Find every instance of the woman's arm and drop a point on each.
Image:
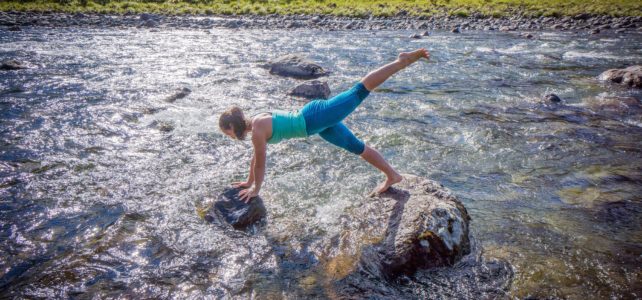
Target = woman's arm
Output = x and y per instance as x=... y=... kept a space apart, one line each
x=250 y=178
x=257 y=171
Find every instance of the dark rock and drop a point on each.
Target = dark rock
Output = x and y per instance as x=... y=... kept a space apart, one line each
x=296 y=67
x=149 y=23
x=526 y=35
x=425 y=33
x=164 y=126
x=12 y=64
x=631 y=76
x=147 y=17
x=552 y=98
x=595 y=31
x=455 y=30
x=313 y=89
x=15 y=28
x=179 y=94
x=558 y=26
x=415 y=36
x=230 y=209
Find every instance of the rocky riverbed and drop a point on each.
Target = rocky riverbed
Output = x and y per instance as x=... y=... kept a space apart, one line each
x=110 y=158
x=582 y=23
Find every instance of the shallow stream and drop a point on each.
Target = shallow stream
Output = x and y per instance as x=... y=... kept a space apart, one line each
x=103 y=184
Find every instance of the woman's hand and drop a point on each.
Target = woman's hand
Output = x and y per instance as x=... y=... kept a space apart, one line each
x=241 y=184
x=246 y=195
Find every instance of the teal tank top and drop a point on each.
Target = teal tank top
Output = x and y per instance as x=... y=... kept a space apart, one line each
x=287 y=125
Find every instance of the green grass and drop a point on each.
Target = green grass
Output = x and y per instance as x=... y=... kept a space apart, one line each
x=461 y=8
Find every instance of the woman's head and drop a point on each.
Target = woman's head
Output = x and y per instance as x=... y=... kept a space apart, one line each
x=233 y=122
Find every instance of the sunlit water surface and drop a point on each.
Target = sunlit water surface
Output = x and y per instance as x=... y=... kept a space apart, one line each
x=103 y=184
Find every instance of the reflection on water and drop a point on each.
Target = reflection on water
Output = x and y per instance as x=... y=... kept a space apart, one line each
x=103 y=184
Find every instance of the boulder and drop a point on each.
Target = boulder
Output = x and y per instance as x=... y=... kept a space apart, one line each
x=230 y=209
x=178 y=94
x=552 y=98
x=631 y=76
x=428 y=227
x=415 y=36
x=295 y=66
x=12 y=64
x=313 y=89
x=455 y=30
x=416 y=224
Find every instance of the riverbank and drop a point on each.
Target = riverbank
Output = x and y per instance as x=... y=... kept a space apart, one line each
x=584 y=23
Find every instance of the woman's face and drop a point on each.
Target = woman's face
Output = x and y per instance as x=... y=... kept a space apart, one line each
x=230 y=132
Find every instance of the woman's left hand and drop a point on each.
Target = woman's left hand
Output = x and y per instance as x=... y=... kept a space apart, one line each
x=247 y=194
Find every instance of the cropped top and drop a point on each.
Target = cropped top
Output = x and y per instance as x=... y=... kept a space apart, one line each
x=287 y=125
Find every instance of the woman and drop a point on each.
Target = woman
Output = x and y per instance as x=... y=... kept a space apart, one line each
x=320 y=116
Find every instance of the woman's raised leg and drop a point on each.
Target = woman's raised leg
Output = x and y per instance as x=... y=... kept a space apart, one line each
x=378 y=76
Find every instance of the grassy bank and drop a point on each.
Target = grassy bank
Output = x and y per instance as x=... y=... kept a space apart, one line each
x=417 y=8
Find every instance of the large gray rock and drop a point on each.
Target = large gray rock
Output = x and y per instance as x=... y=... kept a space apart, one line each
x=631 y=76
x=313 y=89
x=428 y=227
x=295 y=66
x=416 y=224
x=230 y=209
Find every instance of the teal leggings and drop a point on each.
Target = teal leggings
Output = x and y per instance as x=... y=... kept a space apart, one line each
x=324 y=117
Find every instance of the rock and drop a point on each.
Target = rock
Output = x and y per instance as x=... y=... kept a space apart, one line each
x=455 y=30
x=295 y=66
x=149 y=23
x=428 y=227
x=425 y=33
x=147 y=17
x=558 y=26
x=552 y=98
x=15 y=28
x=229 y=208
x=506 y=28
x=526 y=35
x=595 y=31
x=164 y=126
x=179 y=94
x=415 y=36
x=313 y=89
x=631 y=76
x=12 y=64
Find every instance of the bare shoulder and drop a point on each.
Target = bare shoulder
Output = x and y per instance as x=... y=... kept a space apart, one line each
x=262 y=126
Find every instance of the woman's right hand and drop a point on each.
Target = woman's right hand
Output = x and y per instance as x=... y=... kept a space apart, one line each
x=242 y=184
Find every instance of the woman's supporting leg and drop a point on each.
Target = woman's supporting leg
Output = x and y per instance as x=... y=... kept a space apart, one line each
x=339 y=135
x=373 y=157
x=378 y=76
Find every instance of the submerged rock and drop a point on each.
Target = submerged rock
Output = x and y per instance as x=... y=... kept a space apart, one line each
x=295 y=66
x=313 y=89
x=230 y=209
x=12 y=64
x=179 y=94
x=631 y=76
x=552 y=98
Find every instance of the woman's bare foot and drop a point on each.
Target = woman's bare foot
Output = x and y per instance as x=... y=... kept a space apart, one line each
x=407 y=58
x=382 y=187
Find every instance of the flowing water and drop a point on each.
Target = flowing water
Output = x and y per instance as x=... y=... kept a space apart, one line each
x=103 y=184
